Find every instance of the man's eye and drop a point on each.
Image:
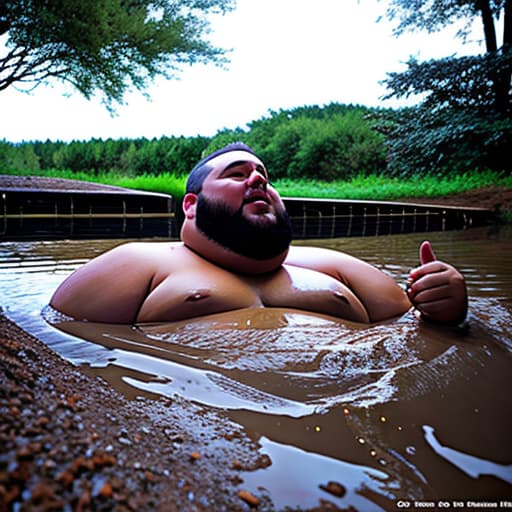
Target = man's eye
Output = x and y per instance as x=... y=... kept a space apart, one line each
x=236 y=175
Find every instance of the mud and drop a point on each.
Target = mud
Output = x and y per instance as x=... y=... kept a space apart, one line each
x=70 y=442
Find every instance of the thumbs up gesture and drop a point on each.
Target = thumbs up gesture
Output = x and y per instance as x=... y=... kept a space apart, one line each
x=437 y=290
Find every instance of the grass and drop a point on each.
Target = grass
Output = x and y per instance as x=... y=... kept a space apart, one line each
x=382 y=188
x=165 y=183
x=373 y=187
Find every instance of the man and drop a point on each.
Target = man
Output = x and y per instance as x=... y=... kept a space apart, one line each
x=235 y=253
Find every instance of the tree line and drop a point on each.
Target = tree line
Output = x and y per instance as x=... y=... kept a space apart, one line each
x=332 y=142
x=462 y=122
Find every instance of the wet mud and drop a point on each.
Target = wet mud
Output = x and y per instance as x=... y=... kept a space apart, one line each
x=70 y=442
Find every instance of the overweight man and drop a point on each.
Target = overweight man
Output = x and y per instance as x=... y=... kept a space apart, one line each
x=235 y=253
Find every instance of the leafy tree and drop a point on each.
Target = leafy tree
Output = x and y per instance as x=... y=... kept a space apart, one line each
x=332 y=142
x=104 y=46
x=222 y=138
x=17 y=157
x=465 y=117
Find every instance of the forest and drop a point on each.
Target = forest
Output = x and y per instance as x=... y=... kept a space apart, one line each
x=329 y=143
x=334 y=142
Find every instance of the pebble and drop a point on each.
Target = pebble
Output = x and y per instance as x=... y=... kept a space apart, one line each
x=195 y=456
x=334 y=488
x=249 y=498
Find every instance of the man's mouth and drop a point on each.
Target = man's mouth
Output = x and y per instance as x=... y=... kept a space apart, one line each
x=256 y=195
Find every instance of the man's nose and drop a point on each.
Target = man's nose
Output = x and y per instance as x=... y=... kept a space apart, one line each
x=256 y=179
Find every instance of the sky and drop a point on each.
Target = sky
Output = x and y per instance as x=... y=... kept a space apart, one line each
x=283 y=54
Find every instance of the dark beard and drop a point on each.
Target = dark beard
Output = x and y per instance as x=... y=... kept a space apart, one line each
x=230 y=229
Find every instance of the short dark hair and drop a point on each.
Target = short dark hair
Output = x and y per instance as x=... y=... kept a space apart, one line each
x=201 y=170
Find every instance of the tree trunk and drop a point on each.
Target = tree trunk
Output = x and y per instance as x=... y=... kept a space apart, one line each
x=4 y=23
x=501 y=77
x=491 y=44
x=506 y=71
x=507 y=26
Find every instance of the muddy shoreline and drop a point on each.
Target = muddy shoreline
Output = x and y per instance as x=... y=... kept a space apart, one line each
x=70 y=442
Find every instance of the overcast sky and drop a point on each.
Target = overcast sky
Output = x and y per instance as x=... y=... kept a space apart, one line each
x=285 y=54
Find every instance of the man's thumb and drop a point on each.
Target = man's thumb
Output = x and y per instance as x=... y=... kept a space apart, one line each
x=426 y=253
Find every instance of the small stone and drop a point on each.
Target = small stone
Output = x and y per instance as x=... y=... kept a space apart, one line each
x=149 y=476
x=103 y=459
x=195 y=456
x=249 y=498
x=106 y=491
x=334 y=488
x=42 y=421
x=66 y=478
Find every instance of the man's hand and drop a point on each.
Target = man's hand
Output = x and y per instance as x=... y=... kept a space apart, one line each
x=437 y=290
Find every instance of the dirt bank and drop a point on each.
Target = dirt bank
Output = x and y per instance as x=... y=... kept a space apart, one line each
x=493 y=198
x=70 y=442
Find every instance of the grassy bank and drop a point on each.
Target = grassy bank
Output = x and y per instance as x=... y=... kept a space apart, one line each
x=384 y=188
x=373 y=187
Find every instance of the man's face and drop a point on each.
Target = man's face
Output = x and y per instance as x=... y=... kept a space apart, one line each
x=239 y=210
x=240 y=180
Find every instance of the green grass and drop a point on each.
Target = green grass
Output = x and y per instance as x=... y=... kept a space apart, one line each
x=382 y=188
x=373 y=187
x=165 y=183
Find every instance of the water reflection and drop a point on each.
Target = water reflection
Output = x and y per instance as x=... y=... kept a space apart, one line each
x=396 y=410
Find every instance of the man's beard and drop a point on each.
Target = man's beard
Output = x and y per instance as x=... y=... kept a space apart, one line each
x=230 y=229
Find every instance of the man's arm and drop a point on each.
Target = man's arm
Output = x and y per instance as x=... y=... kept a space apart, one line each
x=378 y=292
x=110 y=288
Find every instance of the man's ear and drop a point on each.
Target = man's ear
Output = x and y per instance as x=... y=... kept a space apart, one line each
x=189 y=205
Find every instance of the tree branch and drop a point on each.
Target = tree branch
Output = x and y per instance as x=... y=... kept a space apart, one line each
x=20 y=65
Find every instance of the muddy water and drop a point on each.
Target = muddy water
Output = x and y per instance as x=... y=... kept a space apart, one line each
x=399 y=410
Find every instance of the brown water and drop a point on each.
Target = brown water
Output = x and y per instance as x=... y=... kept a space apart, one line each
x=400 y=410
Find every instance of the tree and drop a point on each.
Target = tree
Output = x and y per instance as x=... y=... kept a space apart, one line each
x=465 y=118
x=104 y=46
x=333 y=142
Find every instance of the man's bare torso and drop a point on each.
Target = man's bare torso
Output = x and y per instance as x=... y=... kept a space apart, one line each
x=167 y=281
x=186 y=285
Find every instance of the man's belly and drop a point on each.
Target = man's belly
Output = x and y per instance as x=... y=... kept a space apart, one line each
x=197 y=294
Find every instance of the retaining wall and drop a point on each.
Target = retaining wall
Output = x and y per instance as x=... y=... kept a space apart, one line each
x=60 y=214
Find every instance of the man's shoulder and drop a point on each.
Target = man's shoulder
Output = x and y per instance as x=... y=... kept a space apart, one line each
x=147 y=251
x=148 y=246
x=298 y=252
x=328 y=261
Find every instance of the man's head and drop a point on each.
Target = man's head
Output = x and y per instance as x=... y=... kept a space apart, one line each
x=202 y=168
x=230 y=207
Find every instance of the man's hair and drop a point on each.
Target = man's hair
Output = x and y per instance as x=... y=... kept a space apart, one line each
x=201 y=170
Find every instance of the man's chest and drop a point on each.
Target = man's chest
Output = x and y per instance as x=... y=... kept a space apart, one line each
x=309 y=290
x=203 y=291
